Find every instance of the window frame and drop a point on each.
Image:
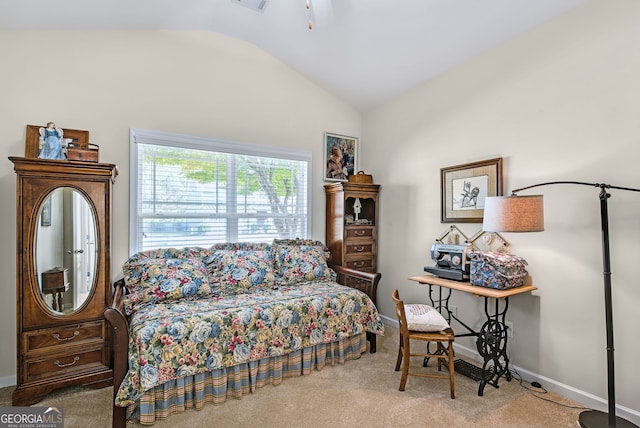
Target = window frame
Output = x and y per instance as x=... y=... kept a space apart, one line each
x=175 y=140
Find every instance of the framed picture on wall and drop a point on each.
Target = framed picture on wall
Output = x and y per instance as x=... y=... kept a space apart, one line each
x=464 y=188
x=340 y=157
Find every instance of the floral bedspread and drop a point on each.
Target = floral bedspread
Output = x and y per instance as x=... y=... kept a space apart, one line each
x=185 y=337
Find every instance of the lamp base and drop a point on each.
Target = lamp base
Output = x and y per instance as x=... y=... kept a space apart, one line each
x=594 y=419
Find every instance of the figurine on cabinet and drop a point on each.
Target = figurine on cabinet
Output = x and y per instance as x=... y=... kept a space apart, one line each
x=52 y=137
x=357 y=206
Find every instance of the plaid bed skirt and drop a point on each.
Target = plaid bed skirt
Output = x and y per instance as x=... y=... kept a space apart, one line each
x=214 y=387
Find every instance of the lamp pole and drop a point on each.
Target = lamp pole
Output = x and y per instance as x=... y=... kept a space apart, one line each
x=594 y=418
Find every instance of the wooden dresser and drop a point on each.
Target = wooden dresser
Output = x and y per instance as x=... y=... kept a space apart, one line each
x=62 y=276
x=351 y=228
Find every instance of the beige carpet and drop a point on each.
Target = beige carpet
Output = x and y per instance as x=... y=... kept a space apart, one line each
x=363 y=392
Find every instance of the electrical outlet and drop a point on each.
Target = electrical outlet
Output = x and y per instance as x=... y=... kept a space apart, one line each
x=509 y=325
x=453 y=310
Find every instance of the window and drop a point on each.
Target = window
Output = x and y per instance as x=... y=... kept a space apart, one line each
x=192 y=191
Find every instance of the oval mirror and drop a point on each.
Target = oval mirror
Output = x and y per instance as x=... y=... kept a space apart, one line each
x=66 y=250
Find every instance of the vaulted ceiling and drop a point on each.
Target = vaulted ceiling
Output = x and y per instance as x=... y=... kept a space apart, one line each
x=364 y=51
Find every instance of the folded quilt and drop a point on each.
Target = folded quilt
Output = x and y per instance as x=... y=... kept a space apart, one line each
x=170 y=340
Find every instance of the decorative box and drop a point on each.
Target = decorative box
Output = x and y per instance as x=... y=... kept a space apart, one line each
x=88 y=152
x=361 y=178
x=497 y=270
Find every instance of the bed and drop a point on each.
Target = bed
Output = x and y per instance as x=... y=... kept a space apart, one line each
x=195 y=326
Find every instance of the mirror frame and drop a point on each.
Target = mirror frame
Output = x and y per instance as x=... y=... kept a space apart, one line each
x=46 y=198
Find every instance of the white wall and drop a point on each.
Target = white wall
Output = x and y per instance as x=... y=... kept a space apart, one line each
x=560 y=103
x=194 y=83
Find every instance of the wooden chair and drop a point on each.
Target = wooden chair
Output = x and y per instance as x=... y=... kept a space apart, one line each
x=444 y=354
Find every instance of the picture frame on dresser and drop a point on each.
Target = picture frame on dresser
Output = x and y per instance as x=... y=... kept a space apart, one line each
x=340 y=157
x=464 y=187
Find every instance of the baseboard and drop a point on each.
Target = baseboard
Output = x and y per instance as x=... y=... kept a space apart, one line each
x=584 y=398
x=7 y=381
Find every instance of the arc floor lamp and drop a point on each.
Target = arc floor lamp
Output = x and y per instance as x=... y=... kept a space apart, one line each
x=526 y=214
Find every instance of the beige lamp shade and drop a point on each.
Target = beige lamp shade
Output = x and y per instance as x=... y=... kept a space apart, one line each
x=513 y=214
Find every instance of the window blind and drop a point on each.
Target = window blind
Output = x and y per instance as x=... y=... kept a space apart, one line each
x=190 y=191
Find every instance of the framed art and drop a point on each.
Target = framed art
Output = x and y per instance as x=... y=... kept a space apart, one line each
x=32 y=143
x=464 y=188
x=340 y=157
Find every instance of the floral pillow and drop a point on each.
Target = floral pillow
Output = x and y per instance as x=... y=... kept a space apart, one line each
x=246 y=246
x=235 y=271
x=305 y=260
x=170 y=253
x=300 y=241
x=158 y=279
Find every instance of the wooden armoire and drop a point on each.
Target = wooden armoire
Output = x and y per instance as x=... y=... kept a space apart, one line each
x=62 y=275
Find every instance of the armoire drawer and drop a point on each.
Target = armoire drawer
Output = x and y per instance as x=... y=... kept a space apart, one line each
x=64 y=336
x=59 y=365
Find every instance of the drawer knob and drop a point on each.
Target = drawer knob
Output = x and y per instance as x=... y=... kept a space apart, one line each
x=358 y=264
x=62 y=339
x=75 y=360
x=359 y=249
x=360 y=232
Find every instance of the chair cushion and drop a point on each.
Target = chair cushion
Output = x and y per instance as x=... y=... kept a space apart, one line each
x=422 y=317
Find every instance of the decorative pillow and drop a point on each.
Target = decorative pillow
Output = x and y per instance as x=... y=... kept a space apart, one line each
x=246 y=246
x=170 y=253
x=239 y=271
x=155 y=280
x=424 y=318
x=298 y=241
x=300 y=262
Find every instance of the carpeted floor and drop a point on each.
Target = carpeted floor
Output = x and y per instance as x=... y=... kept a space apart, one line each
x=363 y=392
